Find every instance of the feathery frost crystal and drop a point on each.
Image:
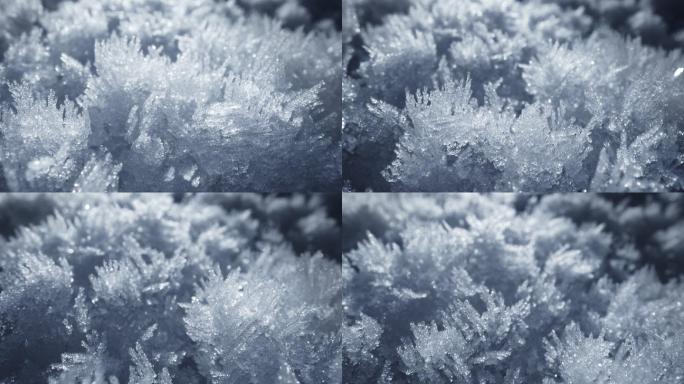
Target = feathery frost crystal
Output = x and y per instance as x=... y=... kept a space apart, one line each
x=108 y=289
x=167 y=95
x=512 y=95
x=513 y=289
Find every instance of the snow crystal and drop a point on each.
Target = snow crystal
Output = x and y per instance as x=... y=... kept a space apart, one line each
x=152 y=85
x=513 y=288
x=116 y=288
x=531 y=95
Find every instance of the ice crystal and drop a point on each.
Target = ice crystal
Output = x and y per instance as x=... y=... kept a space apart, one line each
x=235 y=319
x=511 y=95
x=512 y=289
x=145 y=289
x=42 y=161
x=170 y=96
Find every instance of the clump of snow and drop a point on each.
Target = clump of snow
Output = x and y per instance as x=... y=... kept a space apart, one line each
x=161 y=95
x=108 y=288
x=513 y=289
x=510 y=95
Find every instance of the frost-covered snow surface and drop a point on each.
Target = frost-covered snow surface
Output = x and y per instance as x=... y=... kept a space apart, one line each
x=513 y=95
x=496 y=289
x=169 y=95
x=155 y=290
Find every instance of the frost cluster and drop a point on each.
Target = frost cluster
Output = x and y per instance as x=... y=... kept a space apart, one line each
x=108 y=289
x=513 y=289
x=512 y=95
x=168 y=95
